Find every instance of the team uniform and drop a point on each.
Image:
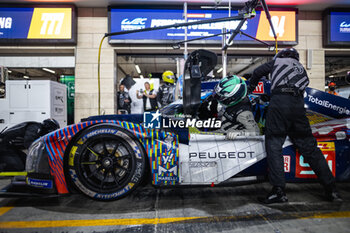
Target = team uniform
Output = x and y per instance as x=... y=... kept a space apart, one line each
x=286 y=116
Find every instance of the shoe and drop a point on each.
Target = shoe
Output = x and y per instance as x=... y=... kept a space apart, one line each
x=277 y=195
x=332 y=194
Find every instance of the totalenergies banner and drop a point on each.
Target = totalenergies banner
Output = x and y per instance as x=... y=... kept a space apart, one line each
x=43 y=25
x=284 y=22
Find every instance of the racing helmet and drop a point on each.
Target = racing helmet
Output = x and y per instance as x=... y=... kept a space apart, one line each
x=168 y=77
x=50 y=124
x=230 y=90
x=288 y=52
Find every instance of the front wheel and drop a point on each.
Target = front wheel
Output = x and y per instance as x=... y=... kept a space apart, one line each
x=105 y=162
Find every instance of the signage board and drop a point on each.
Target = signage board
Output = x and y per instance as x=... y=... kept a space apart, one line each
x=125 y=19
x=336 y=28
x=37 y=25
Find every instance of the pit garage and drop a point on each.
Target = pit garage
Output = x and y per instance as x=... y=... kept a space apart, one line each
x=168 y=169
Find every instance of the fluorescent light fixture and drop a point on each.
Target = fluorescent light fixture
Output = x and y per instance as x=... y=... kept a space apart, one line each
x=219 y=70
x=138 y=69
x=215 y=7
x=25 y=76
x=9 y=71
x=50 y=71
x=331 y=76
x=141 y=76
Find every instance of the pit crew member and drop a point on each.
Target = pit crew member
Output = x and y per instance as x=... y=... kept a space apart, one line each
x=286 y=116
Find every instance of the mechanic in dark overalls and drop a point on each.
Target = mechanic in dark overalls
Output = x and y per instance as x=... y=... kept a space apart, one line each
x=165 y=93
x=286 y=116
x=18 y=138
x=123 y=101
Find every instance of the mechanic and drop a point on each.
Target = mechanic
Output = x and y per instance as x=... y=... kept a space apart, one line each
x=165 y=93
x=123 y=100
x=149 y=97
x=237 y=119
x=18 y=138
x=286 y=116
x=331 y=88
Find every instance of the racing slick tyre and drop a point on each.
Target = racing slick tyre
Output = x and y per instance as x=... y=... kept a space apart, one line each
x=106 y=162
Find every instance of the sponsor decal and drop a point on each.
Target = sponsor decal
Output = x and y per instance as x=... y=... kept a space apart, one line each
x=283 y=23
x=5 y=22
x=201 y=164
x=286 y=161
x=221 y=155
x=327 y=104
x=344 y=27
x=303 y=169
x=162 y=171
x=40 y=183
x=259 y=89
x=51 y=23
x=134 y=24
x=154 y=120
x=120 y=20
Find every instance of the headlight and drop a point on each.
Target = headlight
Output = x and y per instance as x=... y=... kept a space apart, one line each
x=35 y=155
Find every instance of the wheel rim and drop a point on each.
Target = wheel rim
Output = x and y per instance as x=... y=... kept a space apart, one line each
x=106 y=163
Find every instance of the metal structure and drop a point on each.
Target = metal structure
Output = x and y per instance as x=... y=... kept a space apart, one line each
x=246 y=13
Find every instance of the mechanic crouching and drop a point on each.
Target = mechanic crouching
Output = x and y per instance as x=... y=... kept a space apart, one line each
x=286 y=116
x=18 y=138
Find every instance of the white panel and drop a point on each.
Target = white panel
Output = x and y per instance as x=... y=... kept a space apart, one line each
x=38 y=62
x=212 y=158
x=17 y=94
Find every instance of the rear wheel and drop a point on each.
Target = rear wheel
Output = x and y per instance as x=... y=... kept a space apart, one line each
x=106 y=162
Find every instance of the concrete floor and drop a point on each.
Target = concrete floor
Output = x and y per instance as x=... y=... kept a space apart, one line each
x=219 y=209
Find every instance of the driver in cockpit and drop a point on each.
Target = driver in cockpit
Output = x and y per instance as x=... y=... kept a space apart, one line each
x=237 y=118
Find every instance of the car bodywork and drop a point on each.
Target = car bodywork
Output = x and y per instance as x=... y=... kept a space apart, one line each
x=188 y=156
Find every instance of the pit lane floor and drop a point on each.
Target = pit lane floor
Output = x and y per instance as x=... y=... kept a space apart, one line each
x=219 y=209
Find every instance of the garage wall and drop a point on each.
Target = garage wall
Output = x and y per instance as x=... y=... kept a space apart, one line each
x=92 y=24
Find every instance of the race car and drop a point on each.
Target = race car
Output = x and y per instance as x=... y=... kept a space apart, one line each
x=107 y=157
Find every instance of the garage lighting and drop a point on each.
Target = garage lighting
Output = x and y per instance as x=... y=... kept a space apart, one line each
x=50 y=71
x=138 y=69
x=331 y=76
x=141 y=76
x=26 y=77
x=219 y=70
x=9 y=71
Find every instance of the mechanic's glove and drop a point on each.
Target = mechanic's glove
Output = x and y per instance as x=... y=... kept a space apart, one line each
x=265 y=98
x=232 y=135
x=250 y=90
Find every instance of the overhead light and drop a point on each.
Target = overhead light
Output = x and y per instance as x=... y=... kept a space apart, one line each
x=9 y=71
x=48 y=70
x=141 y=76
x=138 y=69
x=215 y=7
x=331 y=76
x=25 y=76
x=219 y=70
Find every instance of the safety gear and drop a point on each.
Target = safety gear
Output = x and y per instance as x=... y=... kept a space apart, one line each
x=277 y=195
x=168 y=77
x=332 y=86
x=288 y=52
x=50 y=124
x=230 y=90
